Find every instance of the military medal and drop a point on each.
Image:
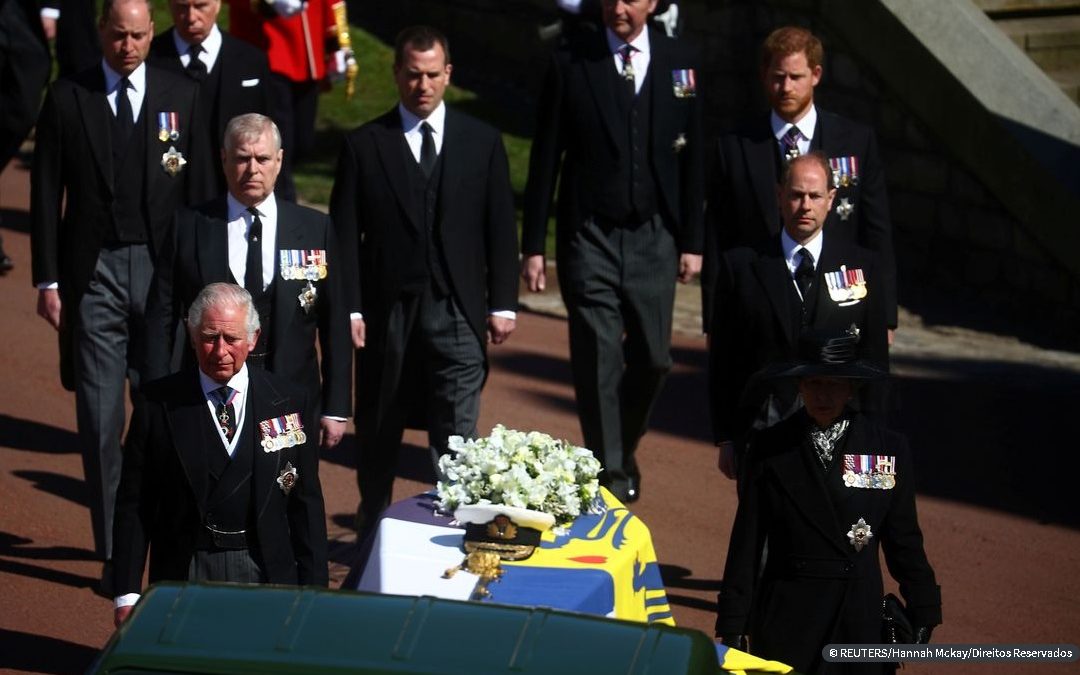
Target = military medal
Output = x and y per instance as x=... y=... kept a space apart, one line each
x=281 y=432
x=844 y=208
x=301 y=265
x=859 y=535
x=288 y=477
x=683 y=83
x=172 y=161
x=845 y=170
x=679 y=143
x=874 y=472
x=168 y=127
x=307 y=297
x=223 y=413
x=846 y=286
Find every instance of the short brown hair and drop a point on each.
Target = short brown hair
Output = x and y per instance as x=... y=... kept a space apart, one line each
x=792 y=40
x=420 y=38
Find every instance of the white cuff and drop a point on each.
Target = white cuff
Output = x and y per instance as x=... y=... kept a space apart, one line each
x=505 y=314
x=126 y=600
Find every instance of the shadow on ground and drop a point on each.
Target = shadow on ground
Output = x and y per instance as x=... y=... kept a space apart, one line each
x=20 y=434
x=41 y=654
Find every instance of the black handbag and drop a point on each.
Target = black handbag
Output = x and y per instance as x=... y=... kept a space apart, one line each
x=896 y=628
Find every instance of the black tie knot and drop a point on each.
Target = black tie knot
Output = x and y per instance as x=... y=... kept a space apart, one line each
x=255 y=231
x=195 y=67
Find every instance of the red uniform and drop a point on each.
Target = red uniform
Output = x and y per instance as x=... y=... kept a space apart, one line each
x=294 y=52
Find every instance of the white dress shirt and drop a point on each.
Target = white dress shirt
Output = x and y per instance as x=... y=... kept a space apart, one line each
x=791 y=252
x=639 y=57
x=239 y=225
x=211 y=47
x=806 y=126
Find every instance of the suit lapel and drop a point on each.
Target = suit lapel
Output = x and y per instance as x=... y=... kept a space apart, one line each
x=801 y=479
x=97 y=130
x=451 y=163
x=212 y=243
x=760 y=153
x=187 y=419
x=772 y=273
x=164 y=53
x=388 y=146
x=265 y=403
x=291 y=234
x=599 y=71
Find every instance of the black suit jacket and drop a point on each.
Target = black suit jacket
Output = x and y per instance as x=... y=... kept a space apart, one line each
x=196 y=253
x=576 y=129
x=73 y=161
x=743 y=209
x=161 y=501
x=372 y=211
x=816 y=588
x=242 y=82
x=757 y=322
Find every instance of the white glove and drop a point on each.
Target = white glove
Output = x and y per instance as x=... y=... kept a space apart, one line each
x=287 y=7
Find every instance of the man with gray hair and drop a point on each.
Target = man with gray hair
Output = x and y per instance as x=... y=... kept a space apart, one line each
x=285 y=255
x=251 y=514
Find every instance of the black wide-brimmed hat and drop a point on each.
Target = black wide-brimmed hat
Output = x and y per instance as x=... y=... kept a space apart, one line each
x=822 y=355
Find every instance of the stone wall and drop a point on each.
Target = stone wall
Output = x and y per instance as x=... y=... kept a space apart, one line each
x=978 y=243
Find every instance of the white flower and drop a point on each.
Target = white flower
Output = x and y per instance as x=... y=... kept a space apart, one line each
x=525 y=469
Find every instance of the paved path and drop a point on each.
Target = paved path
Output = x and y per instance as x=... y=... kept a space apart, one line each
x=998 y=504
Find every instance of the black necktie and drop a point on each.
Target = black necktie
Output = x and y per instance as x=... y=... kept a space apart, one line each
x=196 y=69
x=804 y=273
x=225 y=413
x=253 y=275
x=124 y=117
x=427 y=150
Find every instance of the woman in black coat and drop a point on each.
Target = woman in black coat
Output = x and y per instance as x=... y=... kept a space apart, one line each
x=822 y=490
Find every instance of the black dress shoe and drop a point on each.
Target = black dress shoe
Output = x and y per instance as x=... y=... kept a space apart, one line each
x=633 y=490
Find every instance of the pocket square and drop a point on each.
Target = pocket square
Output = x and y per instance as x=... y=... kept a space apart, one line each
x=249 y=83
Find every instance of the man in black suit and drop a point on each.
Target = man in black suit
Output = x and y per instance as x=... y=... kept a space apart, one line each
x=620 y=112
x=24 y=71
x=232 y=77
x=111 y=145
x=424 y=210
x=747 y=165
x=220 y=480
x=285 y=255
x=803 y=279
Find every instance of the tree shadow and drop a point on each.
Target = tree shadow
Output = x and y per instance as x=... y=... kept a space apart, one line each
x=675 y=576
x=47 y=574
x=20 y=434
x=13 y=545
x=414 y=461
x=43 y=654
x=15 y=220
x=989 y=434
x=71 y=489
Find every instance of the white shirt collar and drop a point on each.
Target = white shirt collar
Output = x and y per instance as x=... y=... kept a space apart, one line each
x=410 y=123
x=211 y=45
x=791 y=247
x=137 y=78
x=640 y=43
x=267 y=208
x=238 y=381
x=806 y=125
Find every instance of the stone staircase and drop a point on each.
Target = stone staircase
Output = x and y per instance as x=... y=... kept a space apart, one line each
x=1048 y=31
